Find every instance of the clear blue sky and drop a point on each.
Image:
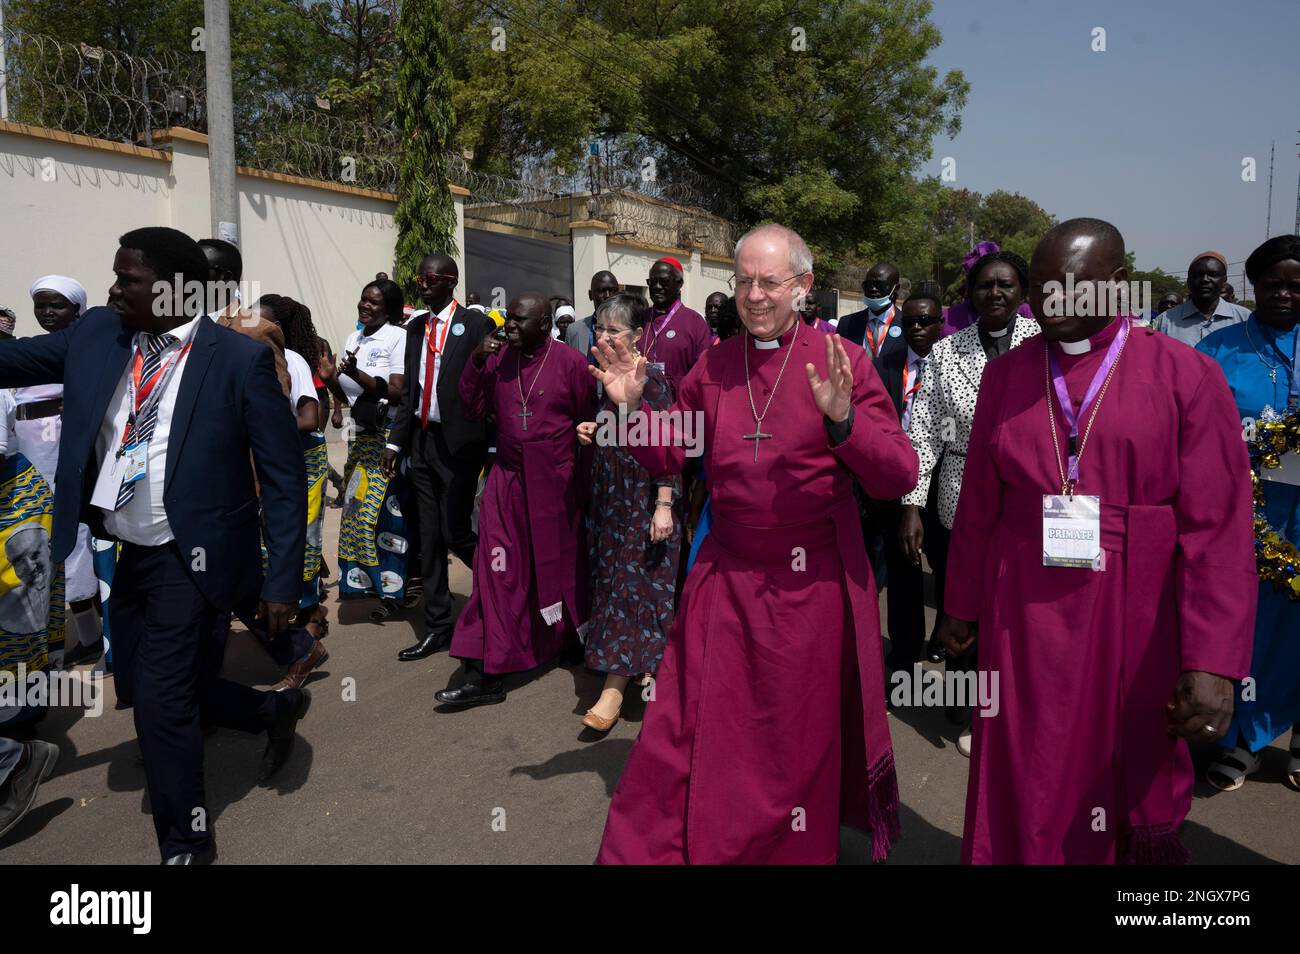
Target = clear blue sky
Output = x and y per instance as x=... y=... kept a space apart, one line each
x=1150 y=134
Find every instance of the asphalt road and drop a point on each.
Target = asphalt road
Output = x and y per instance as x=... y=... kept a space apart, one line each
x=384 y=778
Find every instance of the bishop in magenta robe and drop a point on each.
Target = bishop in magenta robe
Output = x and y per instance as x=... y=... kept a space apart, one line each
x=767 y=724
x=675 y=336
x=1080 y=762
x=530 y=579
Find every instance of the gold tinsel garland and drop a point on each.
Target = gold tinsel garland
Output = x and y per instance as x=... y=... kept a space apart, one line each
x=1276 y=557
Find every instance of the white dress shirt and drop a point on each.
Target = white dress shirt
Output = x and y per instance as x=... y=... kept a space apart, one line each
x=440 y=327
x=913 y=371
x=143 y=518
x=8 y=418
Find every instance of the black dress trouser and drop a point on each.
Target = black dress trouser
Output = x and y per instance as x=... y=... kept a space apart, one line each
x=905 y=593
x=162 y=644
x=444 y=486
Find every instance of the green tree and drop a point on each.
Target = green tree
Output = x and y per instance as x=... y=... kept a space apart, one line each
x=425 y=215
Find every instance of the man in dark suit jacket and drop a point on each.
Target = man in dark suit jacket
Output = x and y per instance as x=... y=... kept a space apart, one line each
x=901 y=371
x=161 y=410
x=445 y=451
x=876 y=326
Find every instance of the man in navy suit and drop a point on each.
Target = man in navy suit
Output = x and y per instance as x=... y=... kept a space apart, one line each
x=876 y=327
x=902 y=371
x=161 y=410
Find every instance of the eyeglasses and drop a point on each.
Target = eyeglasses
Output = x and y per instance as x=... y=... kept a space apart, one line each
x=611 y=331
x=430 y=279
x=922 y=322
x=768 y=286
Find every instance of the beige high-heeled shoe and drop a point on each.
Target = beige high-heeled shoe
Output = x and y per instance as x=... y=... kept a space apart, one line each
x=592 y=721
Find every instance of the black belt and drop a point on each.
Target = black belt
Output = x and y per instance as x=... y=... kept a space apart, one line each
x=38 y=409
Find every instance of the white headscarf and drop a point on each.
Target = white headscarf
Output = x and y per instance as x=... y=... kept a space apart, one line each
x=69 y=288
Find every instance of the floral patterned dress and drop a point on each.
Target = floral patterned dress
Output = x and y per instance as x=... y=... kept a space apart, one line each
x=632 y=579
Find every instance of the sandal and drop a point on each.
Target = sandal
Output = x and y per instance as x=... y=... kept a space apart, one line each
x=1293 y=765
x=1229 y=773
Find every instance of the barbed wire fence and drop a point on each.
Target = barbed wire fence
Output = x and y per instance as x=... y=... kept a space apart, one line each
x=105 y=94
x=77 y=88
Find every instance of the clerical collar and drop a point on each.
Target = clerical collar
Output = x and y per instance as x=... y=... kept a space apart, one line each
x=776 y=342
x=1101 y=339
x=999 y=334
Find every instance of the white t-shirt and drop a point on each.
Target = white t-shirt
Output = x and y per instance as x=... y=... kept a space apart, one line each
x=300 y=383
x=8 y=436
x=379 y=355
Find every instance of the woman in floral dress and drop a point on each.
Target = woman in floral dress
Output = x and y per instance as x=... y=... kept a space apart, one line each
x=634 y=533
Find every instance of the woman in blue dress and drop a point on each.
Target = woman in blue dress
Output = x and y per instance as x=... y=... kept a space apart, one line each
x=1258 y=357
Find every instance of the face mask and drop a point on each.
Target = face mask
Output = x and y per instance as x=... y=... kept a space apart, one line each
x=880 y=304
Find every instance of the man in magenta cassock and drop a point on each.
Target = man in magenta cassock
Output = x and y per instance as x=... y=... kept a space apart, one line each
x=529 y=571
x=767 y=724
x=1104 y=673
x=675 y=336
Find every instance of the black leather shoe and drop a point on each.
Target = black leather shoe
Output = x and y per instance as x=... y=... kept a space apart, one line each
x=432 y=643
x=934 y=651
x=472 y=694
x=279 y=738
x=204 y=856
x=82 y=653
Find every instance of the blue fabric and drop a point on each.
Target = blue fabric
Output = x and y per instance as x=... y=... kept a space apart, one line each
x=701 y=531
x=1245 y=353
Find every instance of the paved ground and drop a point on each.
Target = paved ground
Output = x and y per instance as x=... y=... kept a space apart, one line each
x=386 y=779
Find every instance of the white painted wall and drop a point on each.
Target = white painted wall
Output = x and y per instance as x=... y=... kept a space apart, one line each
x=632 y=265
x=70 y=224
x=317 y=245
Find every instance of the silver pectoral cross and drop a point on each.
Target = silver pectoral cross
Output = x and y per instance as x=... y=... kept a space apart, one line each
x=757 y=436
x=523 y=416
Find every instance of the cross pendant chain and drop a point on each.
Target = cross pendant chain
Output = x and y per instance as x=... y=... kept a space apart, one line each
x=523 y=416
x=757 y=436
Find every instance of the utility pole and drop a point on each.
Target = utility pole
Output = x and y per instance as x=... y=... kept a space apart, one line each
x=1297 y=199
x=4 y=74
x=224 y=200
x=1268 y=221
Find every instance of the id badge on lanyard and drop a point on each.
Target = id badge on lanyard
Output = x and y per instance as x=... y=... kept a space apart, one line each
x=1072 y=531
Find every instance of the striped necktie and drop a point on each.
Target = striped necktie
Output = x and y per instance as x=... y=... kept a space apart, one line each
x=154 y=345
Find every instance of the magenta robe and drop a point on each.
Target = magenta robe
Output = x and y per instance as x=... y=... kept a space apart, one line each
x=678 y=344
x=767 y=724
x=529 y=555
x=1088 y=660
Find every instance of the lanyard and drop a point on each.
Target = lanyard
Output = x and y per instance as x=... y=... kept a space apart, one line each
x=1091 y=398
x=884 y=330
x=436 y=348
x=910 y=388
x=654 y=335
x=143 y=397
